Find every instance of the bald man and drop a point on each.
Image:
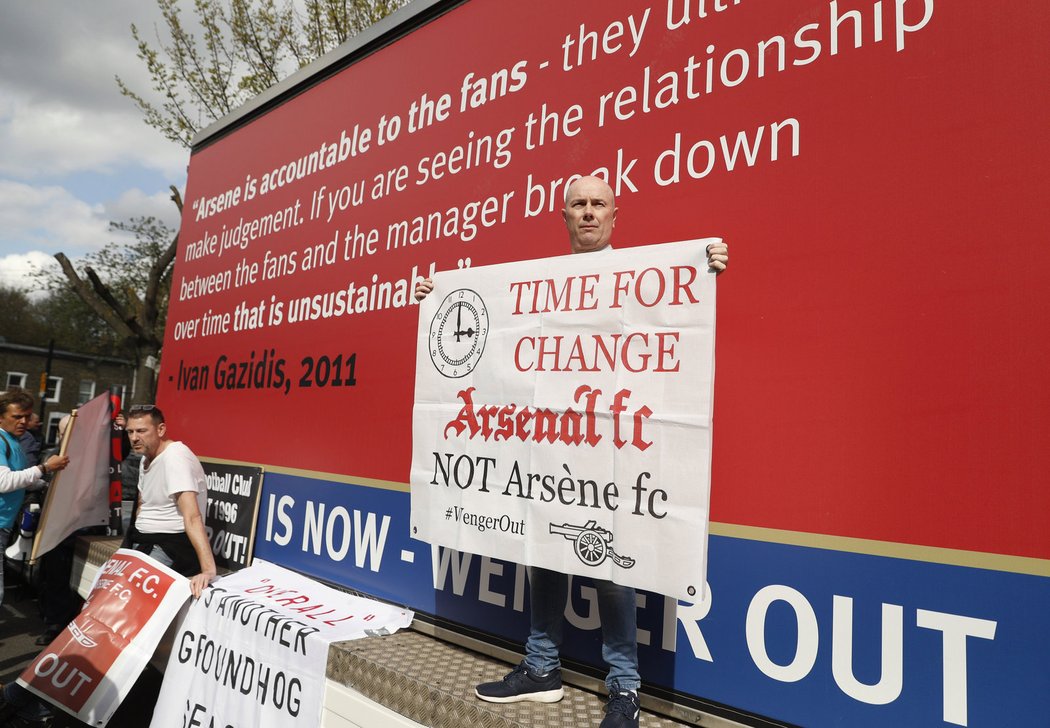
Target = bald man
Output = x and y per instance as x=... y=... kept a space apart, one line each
x=590 y=216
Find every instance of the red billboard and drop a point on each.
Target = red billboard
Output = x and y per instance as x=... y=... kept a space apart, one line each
x=874 y=167
x=877 y=169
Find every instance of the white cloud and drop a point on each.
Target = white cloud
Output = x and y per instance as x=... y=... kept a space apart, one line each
x=136 y=203
x=63 y=110
x=60 y=109
x=74 y=153
x=84 y=44
x=45 y=139
x=16 y=269
x=49 y=219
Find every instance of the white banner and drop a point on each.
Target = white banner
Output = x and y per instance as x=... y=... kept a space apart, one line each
x=563 y=414
x=91 y=666
x=79 y=495
x=252 y=650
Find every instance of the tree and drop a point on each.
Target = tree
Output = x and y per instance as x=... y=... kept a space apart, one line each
x=57 y=315
x=244 y=47
x=22 y=322
x=126 y=286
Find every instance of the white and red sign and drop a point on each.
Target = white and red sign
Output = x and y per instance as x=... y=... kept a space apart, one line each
x=563 y=414
x=91 y=666
x=252 y=650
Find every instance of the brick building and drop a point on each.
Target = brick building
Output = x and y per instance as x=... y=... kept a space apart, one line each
x=74 y=379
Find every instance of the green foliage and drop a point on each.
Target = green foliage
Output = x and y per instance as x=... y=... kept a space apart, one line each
x=124 y=268
x=75 y=327
x=59 y=315
x=231 y=51
x=21 y=322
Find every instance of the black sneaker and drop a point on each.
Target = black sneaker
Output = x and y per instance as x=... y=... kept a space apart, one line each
x=622 y=710
x=523 y=684
x=48 y=636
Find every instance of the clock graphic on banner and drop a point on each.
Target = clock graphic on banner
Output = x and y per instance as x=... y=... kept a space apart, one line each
x=458 y=332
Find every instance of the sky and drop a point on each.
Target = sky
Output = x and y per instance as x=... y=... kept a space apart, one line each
x=74 y=153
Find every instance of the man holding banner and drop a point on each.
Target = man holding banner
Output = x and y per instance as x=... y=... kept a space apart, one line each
x=173 y=496
x=590 y=216
x=15 y=410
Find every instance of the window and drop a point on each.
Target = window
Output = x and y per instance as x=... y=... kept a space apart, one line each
x=51 y=438
x=16 y=380
x=87 y=391
x=54 y=389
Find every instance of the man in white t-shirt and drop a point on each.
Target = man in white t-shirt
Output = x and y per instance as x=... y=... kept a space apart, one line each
x=173 y=496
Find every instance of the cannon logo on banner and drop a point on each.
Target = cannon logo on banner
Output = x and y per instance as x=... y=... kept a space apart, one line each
x=592 y=544
x=563 y=414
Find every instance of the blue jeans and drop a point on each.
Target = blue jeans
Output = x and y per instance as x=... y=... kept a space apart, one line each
x=617 y=609
x=159 y=554
x=27 y=706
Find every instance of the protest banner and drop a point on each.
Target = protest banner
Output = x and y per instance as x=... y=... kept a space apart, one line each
x=563 y=414
x=233 y=506
x=88 y=670
x=252 y=650
x=117 y=442
x=78 y=496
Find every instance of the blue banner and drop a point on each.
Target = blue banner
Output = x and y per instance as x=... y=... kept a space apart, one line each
x=810 y=636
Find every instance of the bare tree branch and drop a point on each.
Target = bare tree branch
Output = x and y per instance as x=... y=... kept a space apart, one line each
x=102 y=291
x=85 y=293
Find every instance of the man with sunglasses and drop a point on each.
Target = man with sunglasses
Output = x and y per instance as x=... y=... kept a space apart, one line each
x=173 y=496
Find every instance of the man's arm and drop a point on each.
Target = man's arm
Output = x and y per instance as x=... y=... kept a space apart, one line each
x=12 y=480
x=186 y=502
